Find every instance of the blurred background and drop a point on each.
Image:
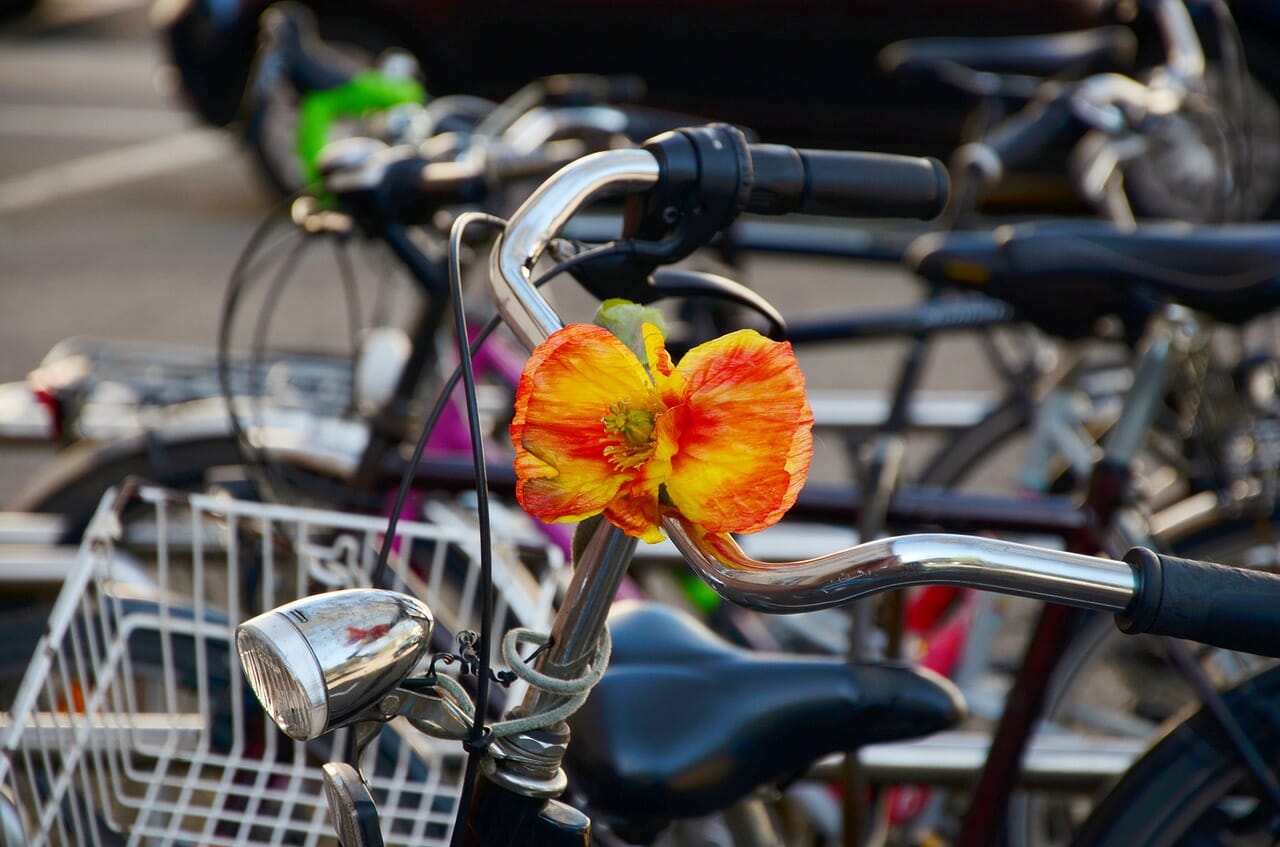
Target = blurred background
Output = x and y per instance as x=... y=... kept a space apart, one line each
x=142 y=144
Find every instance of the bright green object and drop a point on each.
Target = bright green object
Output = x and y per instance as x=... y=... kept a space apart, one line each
x=702 y=596
x=367 y=92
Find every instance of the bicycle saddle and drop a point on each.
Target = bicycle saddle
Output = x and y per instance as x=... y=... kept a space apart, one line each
x=1078 y=53
x=1063 y=276
x=684 y=723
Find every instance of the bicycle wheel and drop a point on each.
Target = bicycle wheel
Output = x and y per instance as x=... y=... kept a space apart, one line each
x=1191 y=788
x=1121 y=687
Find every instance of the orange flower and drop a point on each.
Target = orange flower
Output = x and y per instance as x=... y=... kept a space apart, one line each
x=724 y=438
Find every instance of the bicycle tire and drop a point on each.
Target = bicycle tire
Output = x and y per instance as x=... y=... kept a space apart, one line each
x=961 y=454
x=1175 y=793
x=1034 y=819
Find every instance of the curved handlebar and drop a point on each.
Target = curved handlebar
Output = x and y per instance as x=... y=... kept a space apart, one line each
x=869 y=568
x=875 y=566
x=532 y=226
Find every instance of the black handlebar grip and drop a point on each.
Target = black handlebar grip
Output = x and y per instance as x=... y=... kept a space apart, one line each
x=1226 y=607
x=1020 y=139
x=411 y=193
x=845 y=184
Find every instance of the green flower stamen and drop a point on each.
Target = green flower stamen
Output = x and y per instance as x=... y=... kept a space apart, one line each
x=634 y=430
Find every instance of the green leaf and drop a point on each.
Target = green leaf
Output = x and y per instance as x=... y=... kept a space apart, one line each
x=624 y=319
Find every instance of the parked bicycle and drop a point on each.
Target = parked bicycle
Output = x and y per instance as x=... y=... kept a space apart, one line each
x=509 y=798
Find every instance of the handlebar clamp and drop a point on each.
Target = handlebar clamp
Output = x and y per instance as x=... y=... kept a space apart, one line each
x=705 y=181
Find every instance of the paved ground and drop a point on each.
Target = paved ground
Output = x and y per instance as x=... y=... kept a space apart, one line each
x=119 y=217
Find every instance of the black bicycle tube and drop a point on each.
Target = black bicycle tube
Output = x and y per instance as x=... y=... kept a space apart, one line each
x=964 y=314
x=501 y=818
x=1215 y=705
x=384 y=430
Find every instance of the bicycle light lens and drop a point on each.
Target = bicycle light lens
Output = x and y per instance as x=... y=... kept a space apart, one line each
x=322 y=662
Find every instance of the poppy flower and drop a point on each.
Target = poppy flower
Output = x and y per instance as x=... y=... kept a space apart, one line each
x=723 y=439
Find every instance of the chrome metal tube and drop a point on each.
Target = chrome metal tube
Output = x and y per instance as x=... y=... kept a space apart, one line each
x=791 y=586
x=875 y=566
x=538 y=220
x=526 y=763
x=539 y=126
x=1168 y=339
x=1182 y=43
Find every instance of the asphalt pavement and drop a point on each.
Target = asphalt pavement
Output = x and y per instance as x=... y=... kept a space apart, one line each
x=121 y=217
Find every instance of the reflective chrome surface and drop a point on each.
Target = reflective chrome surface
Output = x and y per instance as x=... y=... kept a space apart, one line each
x=527 y=763
x=351 y=807
x=537 y=127
x=1168 y=339
x=538 y=220
x=1182 y=43
x=876 y=566
x=343 y=651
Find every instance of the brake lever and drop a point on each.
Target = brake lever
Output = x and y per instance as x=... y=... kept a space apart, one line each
x=618 y=276
x=680 y=282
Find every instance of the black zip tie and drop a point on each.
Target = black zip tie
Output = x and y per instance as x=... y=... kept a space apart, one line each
x=479 y=745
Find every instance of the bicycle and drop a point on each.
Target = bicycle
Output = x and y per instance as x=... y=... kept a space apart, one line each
x=1097 y=583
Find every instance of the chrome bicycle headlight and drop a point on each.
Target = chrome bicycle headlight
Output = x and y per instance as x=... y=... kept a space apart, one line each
x=324 y=661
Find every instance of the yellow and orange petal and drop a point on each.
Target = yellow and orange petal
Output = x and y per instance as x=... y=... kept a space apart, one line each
x=636 y=510
x=668 y=382
x=566 y=389
x=744 y=452
x=726 y=434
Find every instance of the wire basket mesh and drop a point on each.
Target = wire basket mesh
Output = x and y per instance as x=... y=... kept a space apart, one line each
x=134 y=724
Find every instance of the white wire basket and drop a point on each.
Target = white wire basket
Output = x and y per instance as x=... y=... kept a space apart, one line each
x=134 y=723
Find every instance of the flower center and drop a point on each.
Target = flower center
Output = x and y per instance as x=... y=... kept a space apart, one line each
x=633 y=429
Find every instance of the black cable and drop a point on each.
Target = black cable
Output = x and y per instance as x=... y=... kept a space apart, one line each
x=406 y=481
x=477 y=735
x=261 y=325
x=465 y=371
x=236 y=288
x=443 y=396
x=237 y=283
x=273 y=477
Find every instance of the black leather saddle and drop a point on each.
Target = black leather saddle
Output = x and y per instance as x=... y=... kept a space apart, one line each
x=1063 y=276
x=1081 y=53
x=684 y=724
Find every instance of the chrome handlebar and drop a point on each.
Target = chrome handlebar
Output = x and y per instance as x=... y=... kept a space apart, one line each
x=531 y=228
x=818 y=583
x=1112 y=102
